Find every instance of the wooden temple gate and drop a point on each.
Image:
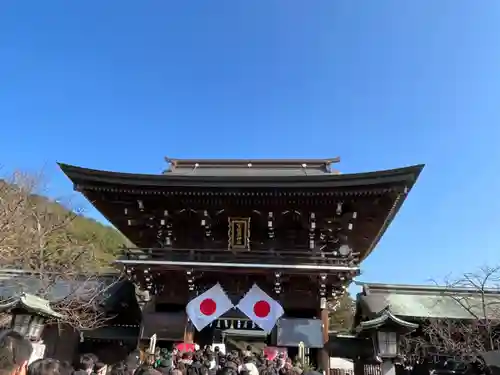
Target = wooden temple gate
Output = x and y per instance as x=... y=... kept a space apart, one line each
x=298 y=229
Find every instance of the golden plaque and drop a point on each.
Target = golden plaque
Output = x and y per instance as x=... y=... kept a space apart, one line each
x=239 y=233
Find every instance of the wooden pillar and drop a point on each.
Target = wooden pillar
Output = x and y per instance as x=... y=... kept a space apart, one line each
x=147 y=305
x=323 y=354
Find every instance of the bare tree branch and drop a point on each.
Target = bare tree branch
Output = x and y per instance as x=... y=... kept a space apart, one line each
x=39 y=237
x=476 y=296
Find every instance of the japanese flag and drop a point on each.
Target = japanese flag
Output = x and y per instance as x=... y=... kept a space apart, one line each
x=208 y=307
x=261 y=308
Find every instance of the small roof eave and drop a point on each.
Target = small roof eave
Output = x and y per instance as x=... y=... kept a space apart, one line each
x=385 y=317
x=40 y=305
x=427 y=302
x=369 y=288
x=31 y=302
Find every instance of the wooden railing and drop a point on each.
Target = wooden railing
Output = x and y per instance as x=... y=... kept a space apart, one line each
x=239 y=256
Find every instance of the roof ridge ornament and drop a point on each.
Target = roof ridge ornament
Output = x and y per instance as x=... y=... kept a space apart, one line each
x=304 y=168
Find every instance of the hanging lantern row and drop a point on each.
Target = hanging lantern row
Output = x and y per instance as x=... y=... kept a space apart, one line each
x=190 y=280
x=338 y=291
x=328 y=285
x=148 y=279
x=129 y=271
x=154 y=286
x=277 y=283
x=312 y=231
x=322 y=285
x=270 y=226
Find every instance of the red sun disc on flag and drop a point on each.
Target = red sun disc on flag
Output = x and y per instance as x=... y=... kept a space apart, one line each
x=208 y=306
x=261 y=309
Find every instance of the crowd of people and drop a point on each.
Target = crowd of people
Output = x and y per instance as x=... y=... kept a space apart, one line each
x=15 y=353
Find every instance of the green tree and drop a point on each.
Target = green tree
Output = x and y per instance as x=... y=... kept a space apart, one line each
x=342 y=314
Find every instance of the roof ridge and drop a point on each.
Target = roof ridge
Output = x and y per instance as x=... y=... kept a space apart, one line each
x=260 y=164
x=376 y=287
x=260 y=161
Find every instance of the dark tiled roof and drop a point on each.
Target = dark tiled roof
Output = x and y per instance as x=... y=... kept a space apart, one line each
x=417 y=301
x=15 y=282
x=296 y=177
x=382 y=192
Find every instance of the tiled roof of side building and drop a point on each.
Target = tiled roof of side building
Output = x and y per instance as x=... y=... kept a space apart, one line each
x=426 y=301
x=14 y=282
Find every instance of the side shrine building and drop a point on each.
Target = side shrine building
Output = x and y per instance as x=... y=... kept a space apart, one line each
x=292 y=231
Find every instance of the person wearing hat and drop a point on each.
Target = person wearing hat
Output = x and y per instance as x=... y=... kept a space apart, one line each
x=164 y=366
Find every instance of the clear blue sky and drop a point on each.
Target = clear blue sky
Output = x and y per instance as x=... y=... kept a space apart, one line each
x=118 y=85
